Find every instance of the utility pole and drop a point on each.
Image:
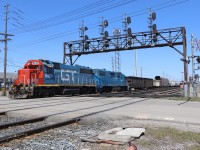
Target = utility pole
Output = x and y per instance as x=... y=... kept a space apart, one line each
x=5 y=46
x=193 y=69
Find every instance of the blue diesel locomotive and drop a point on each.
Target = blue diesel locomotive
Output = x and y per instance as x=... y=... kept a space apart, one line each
x=40 y=78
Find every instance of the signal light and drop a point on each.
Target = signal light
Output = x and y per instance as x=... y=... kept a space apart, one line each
x=86 y=46
x=106 y=44
x=128 y=20
x=153 y=15
x=198 y=59
x=105 y=23
x=155 y=38
x=86 y=28
x=129 y=42
x=154 y=27
x=106 y=34
x=129 y=32
x=86 y=38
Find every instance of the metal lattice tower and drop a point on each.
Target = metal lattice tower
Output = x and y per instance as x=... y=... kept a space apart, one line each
x=117 y=60
x=113 y=69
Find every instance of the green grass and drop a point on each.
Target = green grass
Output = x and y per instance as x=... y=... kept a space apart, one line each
x=194 y=147
x=184 y=99
x=156 y=136
x=176 y=135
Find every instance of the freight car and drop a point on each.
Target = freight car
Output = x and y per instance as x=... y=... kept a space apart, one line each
x=160 y=82
x=139 y=83
x=40 y=78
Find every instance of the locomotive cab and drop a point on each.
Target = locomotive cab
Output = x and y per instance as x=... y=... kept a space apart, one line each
x=31 y=75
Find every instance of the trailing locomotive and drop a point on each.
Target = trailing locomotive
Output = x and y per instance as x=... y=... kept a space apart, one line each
x=40 y=78
x=107 y=81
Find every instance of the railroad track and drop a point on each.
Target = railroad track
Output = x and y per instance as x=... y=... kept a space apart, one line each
x=148 y=93
x=32 y=126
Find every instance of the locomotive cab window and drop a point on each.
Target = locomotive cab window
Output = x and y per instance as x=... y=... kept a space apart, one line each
x=41 y=68
x=33 y=67
x=112 y=75
x=48 y=69
x=119 y=75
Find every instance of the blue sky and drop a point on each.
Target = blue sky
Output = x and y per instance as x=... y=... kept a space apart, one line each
x=48 y=42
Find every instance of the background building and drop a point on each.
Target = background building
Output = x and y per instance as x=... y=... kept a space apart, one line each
x=9 y=79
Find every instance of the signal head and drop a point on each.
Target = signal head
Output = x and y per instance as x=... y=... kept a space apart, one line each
x=198 y=59
x=153 y=15
x=128 y=20
x=106 y=34
x=105 y=23
x=129 y=32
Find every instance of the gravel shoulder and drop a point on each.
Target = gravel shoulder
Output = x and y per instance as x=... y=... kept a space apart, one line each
x=69 y=137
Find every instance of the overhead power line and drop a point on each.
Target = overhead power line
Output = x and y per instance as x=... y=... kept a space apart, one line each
x=115 y=19
x=70 y=17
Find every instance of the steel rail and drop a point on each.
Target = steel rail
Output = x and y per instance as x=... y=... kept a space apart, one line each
x=4 y=126
x=36 y=130
x=2 y=113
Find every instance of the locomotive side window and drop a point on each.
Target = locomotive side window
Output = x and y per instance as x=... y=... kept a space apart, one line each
x=87 y=71
x=102 y=73
x=56 y=65
x=112 y=74
x=118 y=75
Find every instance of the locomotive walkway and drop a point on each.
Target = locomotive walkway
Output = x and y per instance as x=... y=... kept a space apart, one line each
x=62 y=108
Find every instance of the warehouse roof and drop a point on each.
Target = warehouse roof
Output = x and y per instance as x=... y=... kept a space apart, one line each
x=8 y=75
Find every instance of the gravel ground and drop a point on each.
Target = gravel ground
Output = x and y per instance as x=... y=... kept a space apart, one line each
x=5 y=119
x=69 y=137
x=21 y=128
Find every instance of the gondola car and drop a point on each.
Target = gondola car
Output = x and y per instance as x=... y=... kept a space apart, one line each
x=41 y=78
x=139 y=83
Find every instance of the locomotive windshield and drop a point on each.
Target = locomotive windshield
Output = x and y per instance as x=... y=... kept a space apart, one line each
x=32 y=67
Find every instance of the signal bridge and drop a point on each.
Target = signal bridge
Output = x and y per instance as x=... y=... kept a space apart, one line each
x=170 y=37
